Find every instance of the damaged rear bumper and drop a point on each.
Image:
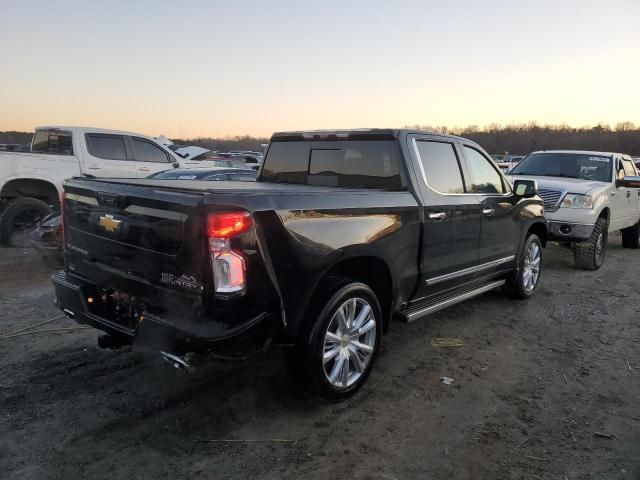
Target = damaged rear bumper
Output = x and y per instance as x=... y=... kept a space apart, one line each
x=178 y=335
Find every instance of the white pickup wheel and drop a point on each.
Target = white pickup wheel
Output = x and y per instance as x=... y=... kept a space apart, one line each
x=590 y=255
x=19 y=218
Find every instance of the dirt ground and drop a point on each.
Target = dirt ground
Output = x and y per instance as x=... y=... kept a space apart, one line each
x=532 y=384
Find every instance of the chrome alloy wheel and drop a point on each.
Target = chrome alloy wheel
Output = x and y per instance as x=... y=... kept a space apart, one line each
x=349 y=343
x=531 y=270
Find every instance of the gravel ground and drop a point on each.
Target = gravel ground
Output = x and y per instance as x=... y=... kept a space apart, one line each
x=533 y=383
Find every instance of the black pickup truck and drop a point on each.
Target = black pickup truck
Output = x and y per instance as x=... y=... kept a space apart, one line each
x=342 y=231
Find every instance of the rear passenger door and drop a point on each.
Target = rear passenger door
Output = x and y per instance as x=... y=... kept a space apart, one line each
x=501 y=227
x=150 y=158
x=108 y=155
x=451 y=217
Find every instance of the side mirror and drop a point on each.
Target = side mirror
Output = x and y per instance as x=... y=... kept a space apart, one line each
x=629 y=182
x=525 y=188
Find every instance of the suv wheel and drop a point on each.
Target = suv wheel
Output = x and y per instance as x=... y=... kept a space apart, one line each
x=631 y=236
x=335 y=356
x=590 y=254
x=524 y=282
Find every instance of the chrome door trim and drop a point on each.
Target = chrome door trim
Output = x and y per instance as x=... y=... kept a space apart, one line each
x=470 y=270
x=414 y=143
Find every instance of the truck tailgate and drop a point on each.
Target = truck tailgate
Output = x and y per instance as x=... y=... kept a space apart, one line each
x=143 y=239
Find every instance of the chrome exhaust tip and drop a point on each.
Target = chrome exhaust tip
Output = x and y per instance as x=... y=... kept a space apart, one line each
x=175 y=361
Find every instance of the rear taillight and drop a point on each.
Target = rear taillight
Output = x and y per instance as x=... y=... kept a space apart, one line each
x=64 y=238
x=227 y=264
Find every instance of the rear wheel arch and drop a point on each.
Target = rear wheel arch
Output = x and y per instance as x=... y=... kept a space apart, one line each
x=30 y=187
x=368 y=269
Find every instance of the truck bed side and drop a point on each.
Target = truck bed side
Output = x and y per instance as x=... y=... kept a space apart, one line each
x=158 y=252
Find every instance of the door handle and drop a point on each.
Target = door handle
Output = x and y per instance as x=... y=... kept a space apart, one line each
x=488 y=211
x=93 y=167
x=437 y=216
x=628 y=193
x=144 y=169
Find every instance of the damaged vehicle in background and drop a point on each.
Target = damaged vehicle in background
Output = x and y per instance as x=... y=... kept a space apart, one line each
x=31 y=182
x=341 y=232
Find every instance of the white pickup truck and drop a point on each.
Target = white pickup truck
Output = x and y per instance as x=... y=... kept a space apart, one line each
x=31 y=182
x=586 y=195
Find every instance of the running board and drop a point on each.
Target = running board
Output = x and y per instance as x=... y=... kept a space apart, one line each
x=412 y=315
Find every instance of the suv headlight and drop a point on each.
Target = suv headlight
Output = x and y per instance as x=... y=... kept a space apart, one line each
x=575 y=200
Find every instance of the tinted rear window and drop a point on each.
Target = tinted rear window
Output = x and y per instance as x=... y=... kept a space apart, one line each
x=355 y=164
x=53 y=142
x=109 y=147
x=440 y=165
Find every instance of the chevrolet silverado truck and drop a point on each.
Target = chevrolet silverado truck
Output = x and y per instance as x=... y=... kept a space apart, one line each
x=31 y=182
x=341 y=232
x=586 y=196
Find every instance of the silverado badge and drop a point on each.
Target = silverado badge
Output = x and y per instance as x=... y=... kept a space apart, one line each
x=109 y=223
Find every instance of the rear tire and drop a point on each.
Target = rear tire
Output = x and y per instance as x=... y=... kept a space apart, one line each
x=631 y=236
x=19 y=219
x=590 y=255
x=524 y=282
x=338 y=346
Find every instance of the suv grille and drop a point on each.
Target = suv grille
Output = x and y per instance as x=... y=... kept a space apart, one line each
x=551 y=198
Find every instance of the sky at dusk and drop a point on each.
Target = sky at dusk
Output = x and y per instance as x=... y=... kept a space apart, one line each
x=210 y=68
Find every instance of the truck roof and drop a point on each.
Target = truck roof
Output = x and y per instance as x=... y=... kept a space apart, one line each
x=93 y=130
x=581 y=152
x=354 y=134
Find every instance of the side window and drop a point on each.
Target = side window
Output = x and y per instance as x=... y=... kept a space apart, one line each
x=486 y=178
x=52 y=142
x=108 y=147
x=145 y=151
x=628 y=167
x=620 y=172
x=440 y=166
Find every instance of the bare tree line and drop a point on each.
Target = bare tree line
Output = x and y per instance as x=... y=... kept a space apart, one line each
x=525 y=138
x=516 y=139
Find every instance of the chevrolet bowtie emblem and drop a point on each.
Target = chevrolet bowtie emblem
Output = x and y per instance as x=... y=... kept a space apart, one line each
x=109 y=223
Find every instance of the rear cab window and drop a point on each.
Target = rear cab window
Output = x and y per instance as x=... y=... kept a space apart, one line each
x=54 y=142
x=106 y=146
x=440 y=166
x=350 y=163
